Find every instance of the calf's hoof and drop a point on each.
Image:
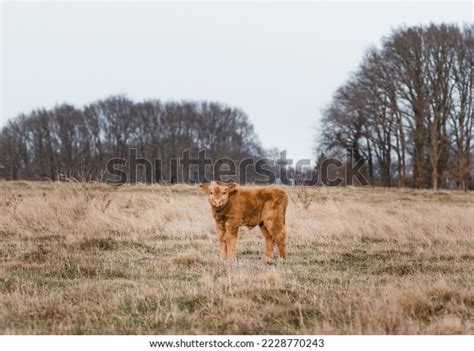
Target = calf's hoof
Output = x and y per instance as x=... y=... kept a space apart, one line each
x=270 y=261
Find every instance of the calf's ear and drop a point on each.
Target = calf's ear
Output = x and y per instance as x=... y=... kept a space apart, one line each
x=231 y=187
x=204 y=187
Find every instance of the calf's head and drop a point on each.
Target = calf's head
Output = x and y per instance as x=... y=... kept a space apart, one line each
x=218 y=193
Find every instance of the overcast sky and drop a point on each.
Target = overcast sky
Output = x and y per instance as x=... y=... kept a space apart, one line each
x=279 y=62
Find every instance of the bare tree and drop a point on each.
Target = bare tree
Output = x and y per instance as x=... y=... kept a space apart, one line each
x=412 y=99
x=78 y=142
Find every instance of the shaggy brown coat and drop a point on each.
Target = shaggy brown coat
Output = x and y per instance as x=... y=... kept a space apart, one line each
x=234 y=206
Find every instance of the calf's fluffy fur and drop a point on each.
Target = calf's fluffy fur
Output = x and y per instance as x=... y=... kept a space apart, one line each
x=234 y=206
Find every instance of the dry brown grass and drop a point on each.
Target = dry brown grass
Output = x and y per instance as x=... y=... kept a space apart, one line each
x=87 y=259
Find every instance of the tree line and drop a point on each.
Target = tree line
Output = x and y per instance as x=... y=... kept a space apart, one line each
x=77 y=142
x=407 y=110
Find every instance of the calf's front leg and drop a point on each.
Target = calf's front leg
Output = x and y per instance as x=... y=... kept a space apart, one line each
x=223 y=250
x=220 y=228
x=231 y=234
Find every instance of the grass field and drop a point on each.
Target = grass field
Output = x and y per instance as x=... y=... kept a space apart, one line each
x=93 y=259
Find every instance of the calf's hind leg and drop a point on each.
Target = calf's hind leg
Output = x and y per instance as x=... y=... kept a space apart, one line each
x=281 y=244
x=268 y=244
x=277 y=230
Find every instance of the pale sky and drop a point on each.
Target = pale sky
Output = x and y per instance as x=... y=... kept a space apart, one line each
x=279 y=62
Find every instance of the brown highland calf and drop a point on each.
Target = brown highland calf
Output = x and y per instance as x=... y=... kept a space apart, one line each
x=234 y=206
